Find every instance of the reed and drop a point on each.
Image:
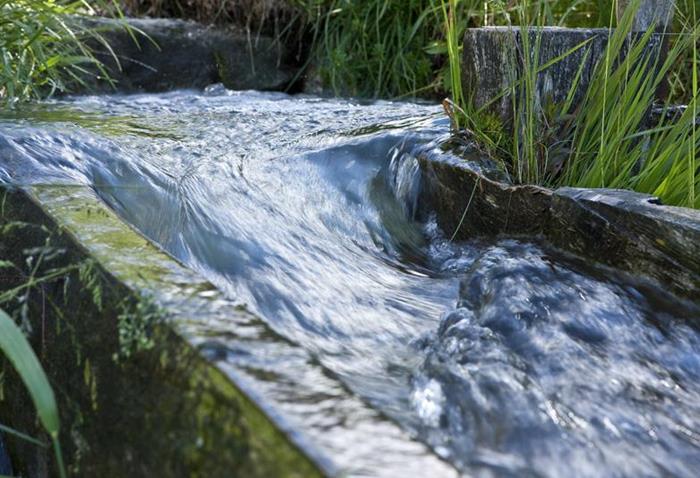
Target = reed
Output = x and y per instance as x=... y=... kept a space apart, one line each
x=615 y=145
x=607 y=138
x=43 y=46
x=452 y=36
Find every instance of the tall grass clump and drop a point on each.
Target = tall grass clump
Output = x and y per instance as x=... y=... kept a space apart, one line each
x=392 y=48
x=614 y=144
x=680 y=77
x=525 y=102
x=608 y=138
x=374 y=48
x=43 y=47
x=377 y=48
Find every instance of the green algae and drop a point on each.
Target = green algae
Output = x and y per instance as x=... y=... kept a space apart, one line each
x=98 y=122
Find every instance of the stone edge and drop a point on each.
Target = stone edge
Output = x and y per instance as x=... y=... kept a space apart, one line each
x=623 y=229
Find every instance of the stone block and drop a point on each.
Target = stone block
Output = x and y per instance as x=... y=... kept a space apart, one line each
x=629 y=231
x=650 y=12
x=494 y=57
x=165 y=54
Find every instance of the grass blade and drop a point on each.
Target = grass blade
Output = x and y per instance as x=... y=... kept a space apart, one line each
x=16 y=348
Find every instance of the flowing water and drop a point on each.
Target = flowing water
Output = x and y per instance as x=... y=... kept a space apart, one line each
x=505 y=356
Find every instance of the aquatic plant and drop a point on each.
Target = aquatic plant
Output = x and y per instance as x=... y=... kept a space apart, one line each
x=43 y=46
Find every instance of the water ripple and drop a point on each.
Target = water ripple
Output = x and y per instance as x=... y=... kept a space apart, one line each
x=507 y=357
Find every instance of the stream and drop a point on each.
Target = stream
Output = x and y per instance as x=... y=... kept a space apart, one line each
x=506 y=356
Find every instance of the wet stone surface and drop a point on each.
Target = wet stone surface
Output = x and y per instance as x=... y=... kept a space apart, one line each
x=650 y=12
x=632 y=231
x=623 y=229
x=166 y=54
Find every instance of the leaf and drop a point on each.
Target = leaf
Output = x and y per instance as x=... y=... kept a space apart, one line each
x=436 y=48
x=20 y=354
x=15 y=346
x=23 y=436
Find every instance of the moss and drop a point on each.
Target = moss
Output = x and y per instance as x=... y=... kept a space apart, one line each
x=115 y=125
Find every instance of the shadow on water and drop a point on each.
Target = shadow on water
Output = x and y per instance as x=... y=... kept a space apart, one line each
x=507 y=357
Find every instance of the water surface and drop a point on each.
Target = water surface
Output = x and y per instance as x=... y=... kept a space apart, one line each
x=505 y=356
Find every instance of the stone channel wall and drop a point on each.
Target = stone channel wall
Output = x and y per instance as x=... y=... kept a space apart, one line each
x=157 y=373
x=154 y=55
x=143 y=371
x=493 y=59
x=135 y=397
x=623 y=229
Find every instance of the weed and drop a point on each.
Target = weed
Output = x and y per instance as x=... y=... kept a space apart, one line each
x=606 y=139
x=136 y=324
x=43 y=47
x=24 y=279
x=16 y=348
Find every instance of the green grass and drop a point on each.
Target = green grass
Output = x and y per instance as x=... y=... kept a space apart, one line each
x=43 y=47
x=452 y=40
x=390 y=48
x=376 y=48
x=364 y=48
x=606 y=140
x=613 y=143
